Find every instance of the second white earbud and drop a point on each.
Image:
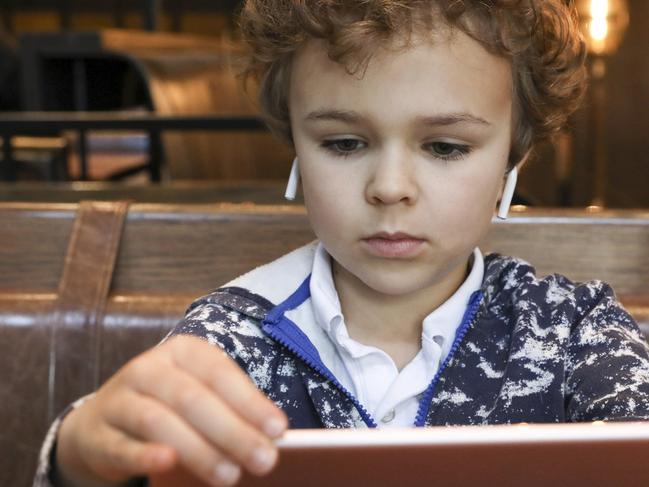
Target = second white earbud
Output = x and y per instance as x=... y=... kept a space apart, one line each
x=508 y=193
x=293 y=181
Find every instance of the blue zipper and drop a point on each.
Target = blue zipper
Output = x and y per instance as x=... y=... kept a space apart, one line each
x=284 y=331
x=288 y=334
x=467 y=321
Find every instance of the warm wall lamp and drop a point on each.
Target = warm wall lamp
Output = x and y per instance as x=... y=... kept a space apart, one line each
x=603 y=24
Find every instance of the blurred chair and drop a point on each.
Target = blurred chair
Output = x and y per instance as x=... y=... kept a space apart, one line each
x=34 y=158
x=169 y=74
x=40 y=158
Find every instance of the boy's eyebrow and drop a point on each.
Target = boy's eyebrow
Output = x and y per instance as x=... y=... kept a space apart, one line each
x=439 y=120
x=452 y=119
x=336 y=115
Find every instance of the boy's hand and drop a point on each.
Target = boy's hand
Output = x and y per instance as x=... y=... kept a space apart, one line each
x=183 y=402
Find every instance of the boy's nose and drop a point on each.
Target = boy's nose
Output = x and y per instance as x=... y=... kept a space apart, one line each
x=391 y=181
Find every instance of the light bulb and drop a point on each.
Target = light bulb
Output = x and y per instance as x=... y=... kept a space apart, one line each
x=603 y=23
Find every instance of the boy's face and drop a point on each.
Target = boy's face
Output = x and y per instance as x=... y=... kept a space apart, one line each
x=402 y=168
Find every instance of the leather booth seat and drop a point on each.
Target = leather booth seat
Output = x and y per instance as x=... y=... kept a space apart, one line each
x=85 y=287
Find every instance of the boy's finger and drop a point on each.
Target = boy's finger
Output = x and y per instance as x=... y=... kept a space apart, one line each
x=119 y=456
x=152 y=421
x=222 y=374
x=210 y=416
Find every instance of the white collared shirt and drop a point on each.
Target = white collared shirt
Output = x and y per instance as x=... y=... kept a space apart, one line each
x=390 y=396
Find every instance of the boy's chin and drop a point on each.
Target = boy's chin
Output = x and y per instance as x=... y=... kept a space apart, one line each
x=400 y=285
x=399 y=279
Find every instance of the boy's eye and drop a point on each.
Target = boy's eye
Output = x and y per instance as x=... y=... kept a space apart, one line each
x=447 y=151
x=342 y=146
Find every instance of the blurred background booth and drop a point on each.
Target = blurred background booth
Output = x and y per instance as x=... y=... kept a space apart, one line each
x=175 y=60
x=73 y=71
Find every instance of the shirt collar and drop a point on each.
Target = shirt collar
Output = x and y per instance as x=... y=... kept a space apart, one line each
x=444 y=320
x=326 y=304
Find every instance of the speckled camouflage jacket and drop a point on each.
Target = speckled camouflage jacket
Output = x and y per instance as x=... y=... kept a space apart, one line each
x=529 y=349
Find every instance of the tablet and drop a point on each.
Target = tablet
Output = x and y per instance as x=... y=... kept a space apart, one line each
x=613 y=454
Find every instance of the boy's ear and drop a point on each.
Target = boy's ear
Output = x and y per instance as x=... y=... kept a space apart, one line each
x=519 y=165
x=524 y=159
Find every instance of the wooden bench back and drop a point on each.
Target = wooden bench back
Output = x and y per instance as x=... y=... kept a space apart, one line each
x=193 y=248
x=58 y=342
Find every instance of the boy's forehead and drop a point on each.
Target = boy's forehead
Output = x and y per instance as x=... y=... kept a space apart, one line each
x=449 y=73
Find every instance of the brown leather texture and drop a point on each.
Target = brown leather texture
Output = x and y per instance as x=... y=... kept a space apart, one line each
x=85 y=287
x=76 y=325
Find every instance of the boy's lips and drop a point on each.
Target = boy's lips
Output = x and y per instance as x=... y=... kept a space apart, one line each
x=398 y=244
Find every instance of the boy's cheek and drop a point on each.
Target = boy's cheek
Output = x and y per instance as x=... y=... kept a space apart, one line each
x=466 y=223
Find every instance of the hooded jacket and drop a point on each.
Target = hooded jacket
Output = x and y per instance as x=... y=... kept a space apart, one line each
x=528 y=350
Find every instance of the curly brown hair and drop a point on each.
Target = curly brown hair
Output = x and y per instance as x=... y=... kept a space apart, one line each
x=539 y=37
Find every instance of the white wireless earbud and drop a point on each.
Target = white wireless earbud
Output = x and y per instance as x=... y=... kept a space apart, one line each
x=293 y=180
x=508 y=193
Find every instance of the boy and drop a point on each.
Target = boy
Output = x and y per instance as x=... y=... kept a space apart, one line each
x=406 y=117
